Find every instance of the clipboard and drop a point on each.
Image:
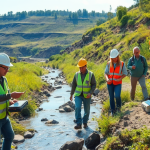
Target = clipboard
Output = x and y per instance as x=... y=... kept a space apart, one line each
x=18 y=106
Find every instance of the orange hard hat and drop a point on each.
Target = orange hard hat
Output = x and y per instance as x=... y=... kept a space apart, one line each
x=82 y=62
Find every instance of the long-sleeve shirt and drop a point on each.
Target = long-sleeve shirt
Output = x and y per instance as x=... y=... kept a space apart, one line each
x=140 y=67
x=4 y=97
x=74 y=83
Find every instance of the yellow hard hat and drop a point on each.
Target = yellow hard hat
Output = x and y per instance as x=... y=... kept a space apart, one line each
x=82 y=62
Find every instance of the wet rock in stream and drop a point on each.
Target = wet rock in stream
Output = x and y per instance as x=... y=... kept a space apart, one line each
x=28 y=134
x=18 y=139
x=58 y=87
x=44 y=119
x=50 y=122
x=92 y=141
x=67 y=107
x=73 y=145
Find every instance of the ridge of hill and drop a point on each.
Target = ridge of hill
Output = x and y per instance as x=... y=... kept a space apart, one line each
x=40 y=36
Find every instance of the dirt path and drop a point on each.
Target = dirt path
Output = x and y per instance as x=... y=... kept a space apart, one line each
x=134 y=119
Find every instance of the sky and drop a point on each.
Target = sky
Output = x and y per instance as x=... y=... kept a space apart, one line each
x=71 y=5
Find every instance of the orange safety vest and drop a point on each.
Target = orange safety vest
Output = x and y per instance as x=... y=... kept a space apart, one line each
x=115 y=73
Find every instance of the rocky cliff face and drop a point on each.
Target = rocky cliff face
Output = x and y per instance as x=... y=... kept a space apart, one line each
x=84 y=41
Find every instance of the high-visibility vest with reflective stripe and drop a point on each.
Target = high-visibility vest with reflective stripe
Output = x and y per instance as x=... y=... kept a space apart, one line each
x=84 y=87
x=115 y=73
x=5 y=104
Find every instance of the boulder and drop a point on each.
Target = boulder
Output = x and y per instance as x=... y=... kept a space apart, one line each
x=51 y=122
x=61 y=110
x=45 y=92
x=71 y=104
x=95 y=93
x=40 y=108
x=28 y=134
x=58 y=87
x=73 y=145
x=68 y=108
x=44 y=119
x=18 y=139
x=48 y=95
x=92 y=141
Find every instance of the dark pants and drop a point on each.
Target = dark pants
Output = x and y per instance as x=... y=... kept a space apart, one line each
x=7 y=132
x=78 y=104
x=114 y=89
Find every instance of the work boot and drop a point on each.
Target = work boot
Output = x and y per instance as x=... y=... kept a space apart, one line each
x=85 y=125
x=78 y=126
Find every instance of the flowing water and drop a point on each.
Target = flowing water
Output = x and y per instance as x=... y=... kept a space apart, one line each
x=54 y=136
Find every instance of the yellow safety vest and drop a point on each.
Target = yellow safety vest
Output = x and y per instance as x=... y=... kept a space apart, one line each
x=5 y=104
x=84 y=87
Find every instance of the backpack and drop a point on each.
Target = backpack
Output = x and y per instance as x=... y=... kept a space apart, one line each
x=142 y=60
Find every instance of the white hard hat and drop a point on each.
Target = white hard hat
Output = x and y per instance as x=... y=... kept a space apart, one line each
x=114 y=53
x=4 y=60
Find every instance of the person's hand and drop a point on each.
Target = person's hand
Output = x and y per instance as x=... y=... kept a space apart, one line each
x=88 y=96
x=71 y=97
x=13 y=101
x=133 y=67
x=108 y=81
x=16 y=94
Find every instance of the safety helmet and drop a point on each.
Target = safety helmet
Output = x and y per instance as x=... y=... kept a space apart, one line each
x=114 y=53
x=82 y=62
x=4 y=60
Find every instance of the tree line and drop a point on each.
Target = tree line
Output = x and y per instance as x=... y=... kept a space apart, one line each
x=72 y=15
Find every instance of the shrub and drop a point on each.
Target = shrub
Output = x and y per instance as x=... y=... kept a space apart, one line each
x=121 y=11
x=124 y=20
x=131 y=22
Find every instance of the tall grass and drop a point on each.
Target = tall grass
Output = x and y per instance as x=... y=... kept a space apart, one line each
x=24 y=77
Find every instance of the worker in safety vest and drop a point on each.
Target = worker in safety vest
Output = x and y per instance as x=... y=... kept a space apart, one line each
x=114 y=73
x=83 y=86
x=5 y=96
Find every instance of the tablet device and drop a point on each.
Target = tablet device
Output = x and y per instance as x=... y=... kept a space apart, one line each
x=18 y=106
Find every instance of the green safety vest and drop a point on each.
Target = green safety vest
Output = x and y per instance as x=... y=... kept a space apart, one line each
x=5 y=104
x=84 y=87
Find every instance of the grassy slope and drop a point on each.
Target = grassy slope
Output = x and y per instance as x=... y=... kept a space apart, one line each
x=23 y=77
x=106 y=37
x=41 y=25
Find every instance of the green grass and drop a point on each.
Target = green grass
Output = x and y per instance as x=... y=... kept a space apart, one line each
x=134 y=140
x=24 y=77
x=18 y=128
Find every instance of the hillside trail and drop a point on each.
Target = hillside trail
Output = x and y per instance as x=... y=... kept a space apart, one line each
x=135 y=117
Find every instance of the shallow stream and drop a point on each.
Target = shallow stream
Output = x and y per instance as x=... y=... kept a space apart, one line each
x=54 y=136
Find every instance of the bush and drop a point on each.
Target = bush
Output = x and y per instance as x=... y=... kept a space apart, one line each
x=124 y=20
x=131 y=22
x=121 y=11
